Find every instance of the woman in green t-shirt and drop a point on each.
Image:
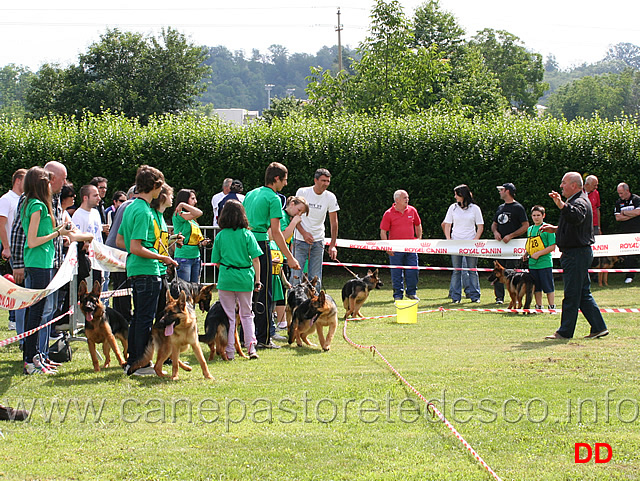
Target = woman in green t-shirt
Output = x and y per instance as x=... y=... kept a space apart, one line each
x=38 y=223
x=184 y=222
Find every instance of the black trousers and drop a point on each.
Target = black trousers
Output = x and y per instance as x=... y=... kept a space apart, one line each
x=264 y=299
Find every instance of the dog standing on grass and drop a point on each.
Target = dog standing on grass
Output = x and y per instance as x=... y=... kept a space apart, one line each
x=316 y=312
x=519 y=285
x=102 y=326
x=356 y=291
x=216 y=333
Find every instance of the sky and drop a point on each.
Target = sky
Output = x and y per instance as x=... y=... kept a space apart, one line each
x=45 y=31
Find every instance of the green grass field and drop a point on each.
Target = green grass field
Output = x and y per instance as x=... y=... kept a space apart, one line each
x=302 y=414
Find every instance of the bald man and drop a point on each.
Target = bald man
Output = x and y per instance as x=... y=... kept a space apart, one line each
x=574 y=237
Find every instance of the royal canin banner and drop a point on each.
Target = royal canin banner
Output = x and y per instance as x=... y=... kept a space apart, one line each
x=606 y=245
x=102 y=257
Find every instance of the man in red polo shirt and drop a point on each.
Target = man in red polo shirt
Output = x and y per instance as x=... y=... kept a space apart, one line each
x=401 y=221
x=591 y=188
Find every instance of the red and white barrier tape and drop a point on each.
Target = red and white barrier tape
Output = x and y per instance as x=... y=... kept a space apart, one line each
x=432 y=268
x=13 y=339
x=116 y=293
x=430 y=405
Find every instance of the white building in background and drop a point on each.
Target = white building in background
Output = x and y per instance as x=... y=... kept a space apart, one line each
x=237 y=116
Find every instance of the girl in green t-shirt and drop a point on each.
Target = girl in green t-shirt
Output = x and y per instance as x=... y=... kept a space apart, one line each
x=38 y=223
x=236 y=253
x=184 y=222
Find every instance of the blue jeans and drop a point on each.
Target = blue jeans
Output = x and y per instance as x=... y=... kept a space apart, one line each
x=468 y=280
x=400 y=277
x=577 y=292
x=312 y=252
x=47 y=315
x=189 y=269
x=145 y=292
x=35 y=278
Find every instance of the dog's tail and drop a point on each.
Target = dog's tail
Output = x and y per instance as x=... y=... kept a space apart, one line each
x=291 y=329
x=528 y=294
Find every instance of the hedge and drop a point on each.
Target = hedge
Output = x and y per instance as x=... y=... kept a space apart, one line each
x=369 y=158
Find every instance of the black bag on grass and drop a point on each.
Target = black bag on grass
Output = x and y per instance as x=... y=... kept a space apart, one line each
x=60 y=350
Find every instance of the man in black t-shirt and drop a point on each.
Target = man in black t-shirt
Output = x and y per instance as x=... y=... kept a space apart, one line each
x=627 y=212
x=509 y=222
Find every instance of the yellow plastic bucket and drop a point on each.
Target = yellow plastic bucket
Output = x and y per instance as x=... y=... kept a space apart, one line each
x=406 y=311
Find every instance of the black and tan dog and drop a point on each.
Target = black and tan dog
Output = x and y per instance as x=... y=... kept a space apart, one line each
x=173 y=334
x=216 y=333
x=519 y=285
x=298 y=294
x=356 y=291
x=606 y=263
x=102 y=326
x=199 y=294
x=316 y=312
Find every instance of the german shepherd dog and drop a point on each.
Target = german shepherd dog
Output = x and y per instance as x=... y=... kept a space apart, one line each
x=298 y=294
x=172 y=334
x=606 y=263
x=317 y=312
x=356 y=291
x=216 y=333
x=102 y=326
x=518 y=284
x=200 y=294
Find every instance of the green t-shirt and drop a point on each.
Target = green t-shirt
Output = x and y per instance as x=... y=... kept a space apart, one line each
x=548 y=239
x=137 y=223
x=262 y=205
x=235 y=248
x=186 y=228
x=161 y=233
x=41 y=256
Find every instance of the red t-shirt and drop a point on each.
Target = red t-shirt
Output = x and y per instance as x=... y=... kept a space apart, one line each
x=594 y=197
x=400 y=225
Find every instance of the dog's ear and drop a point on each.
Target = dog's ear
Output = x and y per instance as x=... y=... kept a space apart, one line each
x=497 y=265
x=207 y=289
x=369 y=272
x=375 y=273
x=182 y=300
x=314 y=281
x=169 y=298
x=82 y=290
x=97 y=288
x=321 y=298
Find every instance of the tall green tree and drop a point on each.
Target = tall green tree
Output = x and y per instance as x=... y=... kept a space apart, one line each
x=519 y=71
x=470 y=87
x=126 y=73
x=393 y=74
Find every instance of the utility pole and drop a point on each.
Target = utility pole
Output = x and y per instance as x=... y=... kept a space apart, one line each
x=268 y=88
x=339 y=29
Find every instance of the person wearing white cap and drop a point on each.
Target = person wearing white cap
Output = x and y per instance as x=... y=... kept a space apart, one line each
x=510 y=221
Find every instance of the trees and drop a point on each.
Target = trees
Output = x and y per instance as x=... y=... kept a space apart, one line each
x=14 y=80
x=609 y=96
x=393 y=74
x=470 y=86
x=519 y=71
x=124 y=72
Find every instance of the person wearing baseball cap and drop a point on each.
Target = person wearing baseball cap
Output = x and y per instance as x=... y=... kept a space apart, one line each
x=509 y=222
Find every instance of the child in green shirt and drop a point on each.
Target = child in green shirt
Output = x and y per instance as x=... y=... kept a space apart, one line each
x=539 y=246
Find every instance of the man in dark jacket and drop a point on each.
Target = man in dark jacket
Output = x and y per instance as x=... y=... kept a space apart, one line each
x=574 y=237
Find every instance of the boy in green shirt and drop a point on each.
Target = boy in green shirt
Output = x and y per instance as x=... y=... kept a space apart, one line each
x=264 y=211
x=138 y=236
x=539 y=246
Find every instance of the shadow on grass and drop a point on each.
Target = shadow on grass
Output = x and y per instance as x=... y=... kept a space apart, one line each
x=541 y=344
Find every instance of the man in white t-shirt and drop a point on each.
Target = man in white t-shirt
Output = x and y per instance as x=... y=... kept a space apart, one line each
x=215 y=200
x=87 y=219
x=8 y=205
x=309 y=236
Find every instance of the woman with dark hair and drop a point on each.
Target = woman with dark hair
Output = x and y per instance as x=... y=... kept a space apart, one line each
x=38 y=223
x=462 y=222
x=184 y=222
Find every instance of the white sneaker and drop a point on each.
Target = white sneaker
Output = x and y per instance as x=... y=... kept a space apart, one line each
x=12 y=325
x=145 y=371
x=628 y=280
